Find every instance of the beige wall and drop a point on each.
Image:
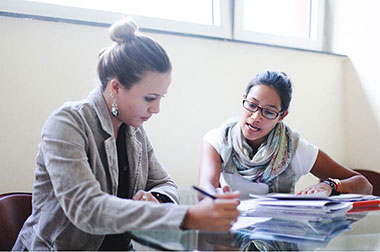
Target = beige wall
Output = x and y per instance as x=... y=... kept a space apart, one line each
x=44 y=64
x=354 y=30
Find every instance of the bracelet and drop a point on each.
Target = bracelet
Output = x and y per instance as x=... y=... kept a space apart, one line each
x=334 y=184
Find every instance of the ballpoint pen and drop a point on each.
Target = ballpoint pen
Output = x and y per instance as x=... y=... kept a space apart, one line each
x=204 y=192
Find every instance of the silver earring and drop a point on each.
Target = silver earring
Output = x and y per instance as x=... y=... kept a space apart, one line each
x=114 y=109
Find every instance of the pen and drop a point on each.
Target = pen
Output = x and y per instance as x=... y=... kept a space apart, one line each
x=204 y=192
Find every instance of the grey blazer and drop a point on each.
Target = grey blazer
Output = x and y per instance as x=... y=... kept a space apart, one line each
x=76 y=179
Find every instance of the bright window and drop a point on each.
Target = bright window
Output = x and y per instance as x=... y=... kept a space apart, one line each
x=289 y=23
x=195 y=11
x=294 y=23
x=200 y=17
x=286 y=18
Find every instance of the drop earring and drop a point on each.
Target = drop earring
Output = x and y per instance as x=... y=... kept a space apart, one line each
x=114 y=109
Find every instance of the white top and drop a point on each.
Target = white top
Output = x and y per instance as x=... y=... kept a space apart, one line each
x=301 y=163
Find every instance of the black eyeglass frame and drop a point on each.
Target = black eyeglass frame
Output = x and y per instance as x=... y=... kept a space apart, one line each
x=261 y=110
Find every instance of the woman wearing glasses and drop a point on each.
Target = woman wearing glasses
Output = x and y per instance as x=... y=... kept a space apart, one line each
x=257 y=153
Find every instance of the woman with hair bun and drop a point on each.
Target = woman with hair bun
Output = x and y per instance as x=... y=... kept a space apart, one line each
x=257 y=153
x=97 y=175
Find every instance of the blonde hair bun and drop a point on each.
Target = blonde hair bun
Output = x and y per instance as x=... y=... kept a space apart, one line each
x=123 y=31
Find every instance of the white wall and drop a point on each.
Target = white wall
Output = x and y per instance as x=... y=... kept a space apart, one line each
x=354 y=30
x=44 y=64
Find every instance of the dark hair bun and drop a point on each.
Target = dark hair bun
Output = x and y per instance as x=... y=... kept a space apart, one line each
x=123 y=31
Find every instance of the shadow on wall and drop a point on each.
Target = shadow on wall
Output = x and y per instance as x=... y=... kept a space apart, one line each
x=361 y=130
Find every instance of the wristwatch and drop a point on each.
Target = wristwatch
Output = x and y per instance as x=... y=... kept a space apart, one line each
x=334 y=184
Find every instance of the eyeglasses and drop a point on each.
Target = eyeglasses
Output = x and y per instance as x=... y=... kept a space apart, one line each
x=267 y=113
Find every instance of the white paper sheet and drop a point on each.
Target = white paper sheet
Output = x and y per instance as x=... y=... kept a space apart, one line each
x=243 y=222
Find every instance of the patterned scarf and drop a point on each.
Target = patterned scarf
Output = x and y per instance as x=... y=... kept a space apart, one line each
x=271 y=159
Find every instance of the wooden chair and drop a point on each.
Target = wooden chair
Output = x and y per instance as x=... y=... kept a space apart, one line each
x=15 y=208
x=373 y=178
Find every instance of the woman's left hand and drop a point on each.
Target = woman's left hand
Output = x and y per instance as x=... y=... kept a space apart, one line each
x=220 y=191
x=144 y=196
x=318 y=188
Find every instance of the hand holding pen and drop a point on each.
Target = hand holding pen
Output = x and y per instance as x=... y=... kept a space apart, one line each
x=219 y=191
x=215 y=213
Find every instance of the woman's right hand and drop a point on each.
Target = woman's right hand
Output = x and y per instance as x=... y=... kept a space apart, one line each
x=213 y=215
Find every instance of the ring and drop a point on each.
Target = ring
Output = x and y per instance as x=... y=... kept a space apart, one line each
x=144 y=197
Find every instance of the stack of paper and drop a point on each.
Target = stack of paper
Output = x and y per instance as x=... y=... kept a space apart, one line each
x=291 y=222
x=293 y=207
x=300 y=234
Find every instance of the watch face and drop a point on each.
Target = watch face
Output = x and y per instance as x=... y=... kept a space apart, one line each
x=331 y=184
x=336 y=183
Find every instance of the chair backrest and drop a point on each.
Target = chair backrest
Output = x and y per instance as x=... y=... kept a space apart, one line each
x=15 y=208
x=373 y=178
